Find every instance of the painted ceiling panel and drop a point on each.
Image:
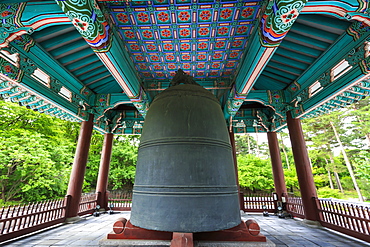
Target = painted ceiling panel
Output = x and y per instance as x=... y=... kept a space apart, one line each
x=206 y=39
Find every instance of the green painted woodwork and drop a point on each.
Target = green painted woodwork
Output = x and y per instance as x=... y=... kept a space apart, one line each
x=269 y=83
x=257 y=77
x=295 y=56
x=284 y=69
x=282 y=59
x=283 y=77
x=308 y=42
x=307 y=31
x=305 y=50
x=73 y=67
x=329 y=59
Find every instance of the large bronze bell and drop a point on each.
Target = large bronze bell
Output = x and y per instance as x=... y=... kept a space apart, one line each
x=185 y=179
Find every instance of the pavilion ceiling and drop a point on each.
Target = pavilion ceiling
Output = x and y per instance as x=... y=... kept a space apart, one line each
x=111 y=58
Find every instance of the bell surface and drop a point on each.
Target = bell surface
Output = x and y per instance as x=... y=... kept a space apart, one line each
x=185 y=177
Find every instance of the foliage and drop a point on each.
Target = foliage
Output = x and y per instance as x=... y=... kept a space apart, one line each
x=245 y=144
x=326 y=192
x=291 y=179
x=254 y=173
x=35 y=154
x=123 y=164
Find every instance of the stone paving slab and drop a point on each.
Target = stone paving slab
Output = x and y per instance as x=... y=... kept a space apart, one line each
x=282 y=232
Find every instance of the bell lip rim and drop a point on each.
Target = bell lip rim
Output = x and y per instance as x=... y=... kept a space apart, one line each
x=195 y=231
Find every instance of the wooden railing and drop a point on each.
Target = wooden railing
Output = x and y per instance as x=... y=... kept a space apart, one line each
x=16 y=221
x=255 y=203
x=121 y=201
x=19 y=220
x=87 y=204
x=350 y=219
x=294 y=206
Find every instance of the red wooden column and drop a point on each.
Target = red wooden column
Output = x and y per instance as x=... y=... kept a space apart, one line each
x=233 y=149
x=303 y=167
x=79 y=167
x=277 y=168
x=102 y=184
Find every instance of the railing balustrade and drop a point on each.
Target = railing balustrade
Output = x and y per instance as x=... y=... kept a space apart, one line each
x=121 y=201
x=16 y=221
x=19 y=220
x=87 y=204
x=350 y=219
x=255 y=203
x=294 y=206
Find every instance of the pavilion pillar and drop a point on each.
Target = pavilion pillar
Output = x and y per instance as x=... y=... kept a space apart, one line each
x=303 y=167
x=102 y=184
x=233 y=149
x=79 y=167
x=277 y=168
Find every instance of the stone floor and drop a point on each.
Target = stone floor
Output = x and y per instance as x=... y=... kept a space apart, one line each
x=282 y=232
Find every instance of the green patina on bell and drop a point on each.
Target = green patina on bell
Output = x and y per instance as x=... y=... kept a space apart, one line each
x=185 y=178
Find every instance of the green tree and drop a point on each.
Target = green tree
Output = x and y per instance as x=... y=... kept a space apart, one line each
x=123 y=163
x=36 y=152
x=255 y=173
x=245 y=144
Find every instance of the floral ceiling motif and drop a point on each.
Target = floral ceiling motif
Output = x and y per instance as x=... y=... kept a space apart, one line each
x=206 y=39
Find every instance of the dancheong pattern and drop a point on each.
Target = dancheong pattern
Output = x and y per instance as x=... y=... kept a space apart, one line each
x=89 y=20
x=278 y=19
x=205 y=38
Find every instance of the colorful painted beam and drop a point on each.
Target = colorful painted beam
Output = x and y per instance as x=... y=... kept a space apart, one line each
x=275 y=23
x=94 y=27
x=17 y=19
x=349 y=10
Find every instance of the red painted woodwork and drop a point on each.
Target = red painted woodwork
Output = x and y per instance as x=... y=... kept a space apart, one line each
x=134 y=232
x=102 y=182
x=180 y=239
x=303 y=167
x=277 y=168
x=346 y=218
x=255 y=203
x=238 y=233
x=79 y=166
x=119 y=225
x=120 y=201
x=253 y=227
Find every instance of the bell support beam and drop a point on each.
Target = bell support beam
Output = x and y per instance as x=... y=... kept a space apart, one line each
x=88 y=16
x=102 y=183
x=303 y=167
x=276 y=21
x=79 y=166
x=277 y=168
